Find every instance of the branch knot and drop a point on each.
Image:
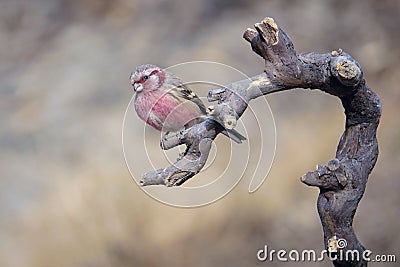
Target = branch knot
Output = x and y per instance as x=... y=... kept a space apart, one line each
x=333 y=176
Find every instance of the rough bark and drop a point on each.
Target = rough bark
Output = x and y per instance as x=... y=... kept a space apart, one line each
x=343 y=180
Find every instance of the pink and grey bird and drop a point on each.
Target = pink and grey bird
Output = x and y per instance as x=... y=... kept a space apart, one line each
x=163 y=101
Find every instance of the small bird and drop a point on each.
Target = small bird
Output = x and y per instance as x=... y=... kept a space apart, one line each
x=163 y=101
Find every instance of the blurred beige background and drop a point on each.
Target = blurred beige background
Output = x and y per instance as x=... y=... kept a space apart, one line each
x=66 y=197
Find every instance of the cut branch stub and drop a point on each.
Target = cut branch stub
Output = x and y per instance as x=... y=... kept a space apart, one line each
x=346 y=70
x=224 y=114
x=218 y=94
x=173 y=139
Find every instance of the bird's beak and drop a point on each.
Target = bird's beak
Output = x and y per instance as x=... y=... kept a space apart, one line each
x=138 y=87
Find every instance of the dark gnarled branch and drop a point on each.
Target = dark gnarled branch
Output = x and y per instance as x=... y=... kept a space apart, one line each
x=342 y=181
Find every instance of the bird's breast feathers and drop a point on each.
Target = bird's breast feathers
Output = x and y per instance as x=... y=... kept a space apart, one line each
x=164 y=111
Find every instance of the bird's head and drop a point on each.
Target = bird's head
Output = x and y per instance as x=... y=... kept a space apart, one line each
x=147 y=78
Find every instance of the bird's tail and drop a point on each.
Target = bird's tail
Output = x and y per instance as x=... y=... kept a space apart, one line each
x=234 y=135
x=231 y=133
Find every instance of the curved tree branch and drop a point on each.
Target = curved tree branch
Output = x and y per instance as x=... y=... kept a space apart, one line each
x=342 y=181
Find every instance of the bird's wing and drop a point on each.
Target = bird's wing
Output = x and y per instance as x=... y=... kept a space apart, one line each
x=183 y=91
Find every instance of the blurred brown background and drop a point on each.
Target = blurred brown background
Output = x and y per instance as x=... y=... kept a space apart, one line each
x=66 y=197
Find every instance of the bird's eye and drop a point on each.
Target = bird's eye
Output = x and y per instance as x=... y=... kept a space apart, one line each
x=145 y=77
